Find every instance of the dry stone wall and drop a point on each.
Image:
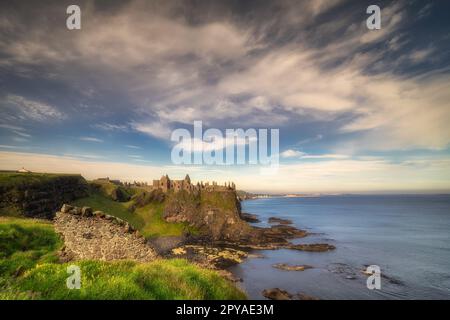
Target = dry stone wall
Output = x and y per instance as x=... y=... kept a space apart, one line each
x=98 y=236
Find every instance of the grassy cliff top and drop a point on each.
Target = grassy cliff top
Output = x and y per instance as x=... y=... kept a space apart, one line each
x=12 y=178
x=29 y=269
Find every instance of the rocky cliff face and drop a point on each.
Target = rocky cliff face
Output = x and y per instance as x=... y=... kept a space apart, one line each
x=40 y=196
x=215 y=213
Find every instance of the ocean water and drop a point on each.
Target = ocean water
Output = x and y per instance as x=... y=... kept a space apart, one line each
x=407 y=236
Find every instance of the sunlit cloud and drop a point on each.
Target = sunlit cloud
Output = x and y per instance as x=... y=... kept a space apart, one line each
x=91 y=139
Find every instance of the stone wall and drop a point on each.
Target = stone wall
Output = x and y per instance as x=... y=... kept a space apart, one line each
x=41 y=197
x=98 y=236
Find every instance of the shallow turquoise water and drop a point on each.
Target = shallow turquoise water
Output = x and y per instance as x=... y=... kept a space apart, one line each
x=406 y=235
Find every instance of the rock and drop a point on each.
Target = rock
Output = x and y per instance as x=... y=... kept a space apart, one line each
x=314 y=247
x=252 y=218
x=66 y=208
x=276 y=294
x=76 y=211
x=284 y=266
x=86 y=211
x=128 y=228
x=212 y=257
x=117 y=221
x=302 y=296
x=99 y=214
x=279 y=233
x=279 y=220
x=166 y=244
x=256 y=255
x=179 y=251
x=118 y=194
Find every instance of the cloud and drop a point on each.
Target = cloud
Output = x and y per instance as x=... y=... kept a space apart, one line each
x=290 y=153
x=155 y=129
x=336 y=175
x=132 y=146
x=91 y=139
x=31 y=109
x=11 y=127
x=324 y=156
x=110 y=127
x=83 y=156
x=284 y=65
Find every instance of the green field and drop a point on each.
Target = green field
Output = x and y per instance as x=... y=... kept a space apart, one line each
x=29 y=269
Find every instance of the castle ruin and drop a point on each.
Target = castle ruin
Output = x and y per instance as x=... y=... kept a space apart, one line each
x=166 y=184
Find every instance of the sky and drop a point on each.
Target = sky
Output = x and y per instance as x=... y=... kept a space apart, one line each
x=357 y=110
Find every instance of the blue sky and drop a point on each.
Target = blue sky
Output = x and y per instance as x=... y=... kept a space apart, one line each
x=357 y=110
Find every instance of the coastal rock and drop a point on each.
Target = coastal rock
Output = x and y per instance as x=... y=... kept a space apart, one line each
x=212 y=257
x=165 y=245
x=276 y=294
x=280 y=233
x=314 y=247
x=279 y=294
x=284 y=266
x=279 y=220
x=248 y=217
x=302 y=296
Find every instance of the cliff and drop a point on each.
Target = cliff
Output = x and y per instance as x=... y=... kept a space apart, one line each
x=216 y=214
x=38 y=195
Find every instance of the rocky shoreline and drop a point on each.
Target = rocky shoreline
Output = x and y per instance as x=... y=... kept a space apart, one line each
x=96 y=235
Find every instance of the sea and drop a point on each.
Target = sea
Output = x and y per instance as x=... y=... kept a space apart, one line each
x=406 y=236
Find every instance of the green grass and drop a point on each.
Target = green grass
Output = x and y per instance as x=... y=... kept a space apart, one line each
x=223 y=200
x=11 y=178
x=98 y=201
x=156 y=226
x=25 y=243
x=148 y=219
x=29 y=270
x=160 y=280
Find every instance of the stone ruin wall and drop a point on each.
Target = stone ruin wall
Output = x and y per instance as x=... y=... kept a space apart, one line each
x=97 y=236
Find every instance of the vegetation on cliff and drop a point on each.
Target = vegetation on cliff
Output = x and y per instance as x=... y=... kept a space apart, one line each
x=144 y=211
x=29 y=269
x=38 y=195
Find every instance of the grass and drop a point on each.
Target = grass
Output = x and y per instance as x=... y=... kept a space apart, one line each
x=25 y=243
x=223 y=200
x=12 y=178
x=29 y=270
x=158 y=280
x=148 y=219
x=98 y=201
